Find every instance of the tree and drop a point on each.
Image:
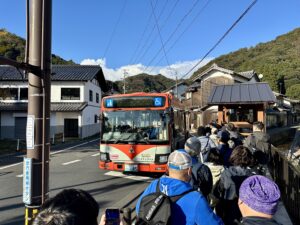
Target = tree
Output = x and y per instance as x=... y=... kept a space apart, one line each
x=294 y=91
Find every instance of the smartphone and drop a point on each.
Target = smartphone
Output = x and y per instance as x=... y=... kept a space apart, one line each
x=112 y=216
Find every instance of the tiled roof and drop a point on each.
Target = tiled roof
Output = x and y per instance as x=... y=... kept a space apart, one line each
x=246 y=74
x=55 y=106
x=60 y=73
x=244 y=93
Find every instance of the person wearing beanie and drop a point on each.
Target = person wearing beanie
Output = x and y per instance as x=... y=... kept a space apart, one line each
x=201 y=180
x=223 y=147
x=192 y=208
x=258 y=200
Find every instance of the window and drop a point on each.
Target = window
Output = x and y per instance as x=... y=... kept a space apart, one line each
x=70 y=94
x=96 y=119
x=97 y=97
x=8 y=93
x=188 y=95
x=23 y=93
x=91 y=95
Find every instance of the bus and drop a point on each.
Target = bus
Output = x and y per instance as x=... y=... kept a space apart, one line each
x=137 y=132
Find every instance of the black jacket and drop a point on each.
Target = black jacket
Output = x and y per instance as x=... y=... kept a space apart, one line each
x=253 y=220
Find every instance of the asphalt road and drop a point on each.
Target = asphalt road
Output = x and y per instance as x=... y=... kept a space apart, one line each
x=71 y=167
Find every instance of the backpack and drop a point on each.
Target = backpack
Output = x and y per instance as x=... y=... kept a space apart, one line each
x=202 y=180
x=155 y=208
x=204 y=152
x=259 y=149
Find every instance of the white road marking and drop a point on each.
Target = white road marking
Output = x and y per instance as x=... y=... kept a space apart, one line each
x=96 y=154
x=74 y=161
x=15 y=164
x=20 y=175
x=131 y=177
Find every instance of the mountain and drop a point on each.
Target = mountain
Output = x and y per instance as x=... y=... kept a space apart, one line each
x=13 y=47
x=275 y=59
x=145 y=82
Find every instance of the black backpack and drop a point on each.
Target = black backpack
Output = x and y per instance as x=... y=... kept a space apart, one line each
x=202 y=180
x=155 y=208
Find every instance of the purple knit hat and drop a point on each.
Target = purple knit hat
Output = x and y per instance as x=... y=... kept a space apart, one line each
x=260 y=194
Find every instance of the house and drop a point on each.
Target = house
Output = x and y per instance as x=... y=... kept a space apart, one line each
x=178 y=90
x=76 y=92
x=197 y=94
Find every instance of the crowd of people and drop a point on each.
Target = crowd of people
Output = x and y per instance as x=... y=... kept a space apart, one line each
x=218 y=178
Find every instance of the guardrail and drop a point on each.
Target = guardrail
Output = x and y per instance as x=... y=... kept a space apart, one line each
x=287 y=176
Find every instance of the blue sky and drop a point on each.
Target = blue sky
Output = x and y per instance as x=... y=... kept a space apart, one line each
x=81 y=30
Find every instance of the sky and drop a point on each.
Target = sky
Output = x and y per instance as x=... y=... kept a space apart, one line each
x=124 y=36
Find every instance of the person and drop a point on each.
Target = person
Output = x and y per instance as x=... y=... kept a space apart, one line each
x=235 y=137
x=69 y=207
x=206 y=143
x=259 y=143
x=258 y=201
x=192 y=208
x=223 y=147
x=227 y=188
x=201 y=175
x=214 y=135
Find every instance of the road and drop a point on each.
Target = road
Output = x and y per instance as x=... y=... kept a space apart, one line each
x=73 y=167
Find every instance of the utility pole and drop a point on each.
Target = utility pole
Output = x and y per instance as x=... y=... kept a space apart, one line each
x=124 y=78
x=36 y=184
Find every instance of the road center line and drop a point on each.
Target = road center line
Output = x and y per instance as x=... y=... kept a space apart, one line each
x=96 y=154
x=74 y=161
x=20 y=175
x=15 y=164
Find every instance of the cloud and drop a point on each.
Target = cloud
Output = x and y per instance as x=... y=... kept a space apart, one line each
x=180 y=68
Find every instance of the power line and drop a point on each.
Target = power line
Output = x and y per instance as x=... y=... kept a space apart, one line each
x=160 y=37
x=221 y=39
x=143 y=34
x=166 y=20
x=182 y=33
x=115 y=28
x=142 y=52
x=174 y=31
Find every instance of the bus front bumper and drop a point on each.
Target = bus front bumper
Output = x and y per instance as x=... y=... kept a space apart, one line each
x=153 y=168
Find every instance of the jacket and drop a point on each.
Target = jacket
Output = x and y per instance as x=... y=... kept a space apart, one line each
x=216 y=171
x=227 y=190
x=190 y=209
x=225 y=153
x=253 y=220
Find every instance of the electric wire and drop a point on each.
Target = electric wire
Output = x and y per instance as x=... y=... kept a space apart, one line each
x=160 y=37
x=162 y=27
x=115 y=28
x=174 y=31
x=221 y=39
x=182 y=33
x=142 y=52
x=143 y=34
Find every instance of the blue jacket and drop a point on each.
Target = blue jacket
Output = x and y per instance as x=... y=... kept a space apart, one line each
x=190 y=209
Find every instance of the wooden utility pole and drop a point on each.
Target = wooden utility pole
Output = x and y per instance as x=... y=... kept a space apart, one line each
x=36 y=164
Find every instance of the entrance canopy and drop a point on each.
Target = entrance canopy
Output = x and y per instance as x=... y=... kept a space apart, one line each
x=242 y=93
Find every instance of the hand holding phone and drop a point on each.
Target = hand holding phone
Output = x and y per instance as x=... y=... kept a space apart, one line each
x=112 y=216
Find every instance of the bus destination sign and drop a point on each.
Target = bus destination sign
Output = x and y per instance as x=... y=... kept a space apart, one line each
x=135 y=102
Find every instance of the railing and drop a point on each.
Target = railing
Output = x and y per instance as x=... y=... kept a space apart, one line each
x=287 y=176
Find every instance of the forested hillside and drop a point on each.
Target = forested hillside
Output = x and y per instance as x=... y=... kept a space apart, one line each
x=274 y=59
x=13 y=47
x=146 y=83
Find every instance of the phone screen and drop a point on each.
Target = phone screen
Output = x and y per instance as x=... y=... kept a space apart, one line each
x=112 y=217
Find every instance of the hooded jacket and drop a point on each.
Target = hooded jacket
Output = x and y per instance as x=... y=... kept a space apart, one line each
x=190 y=209
x=253 y=220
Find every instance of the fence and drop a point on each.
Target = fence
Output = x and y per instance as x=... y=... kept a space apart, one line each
x=287 y=176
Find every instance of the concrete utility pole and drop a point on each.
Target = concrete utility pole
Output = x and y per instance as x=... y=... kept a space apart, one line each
x=124 y=78
x=38 y=120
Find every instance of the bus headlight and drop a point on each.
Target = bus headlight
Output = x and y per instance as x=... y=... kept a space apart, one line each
x=104 y=156
x=163 y=158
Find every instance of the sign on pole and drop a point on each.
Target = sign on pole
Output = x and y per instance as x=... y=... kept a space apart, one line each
x=27 y=180
x=30 y=132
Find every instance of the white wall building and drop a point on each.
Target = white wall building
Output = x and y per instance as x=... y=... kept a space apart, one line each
x=76 y=93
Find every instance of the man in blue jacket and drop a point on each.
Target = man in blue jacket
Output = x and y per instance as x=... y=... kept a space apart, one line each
x=191 y=208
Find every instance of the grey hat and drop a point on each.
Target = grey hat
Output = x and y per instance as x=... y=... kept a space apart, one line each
x=192 y=146
x=179 y=160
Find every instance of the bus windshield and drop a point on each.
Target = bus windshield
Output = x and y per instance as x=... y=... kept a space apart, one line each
x=140 y=126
